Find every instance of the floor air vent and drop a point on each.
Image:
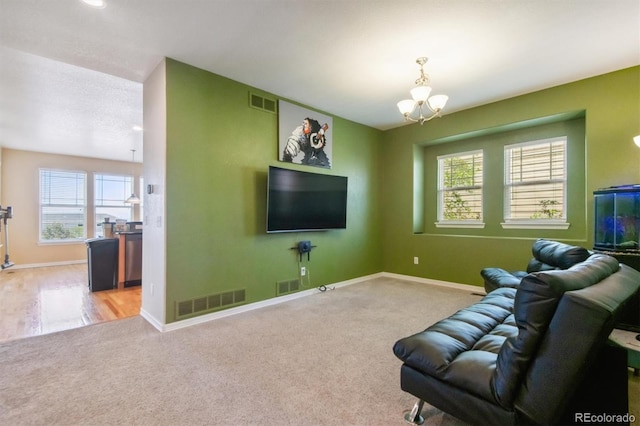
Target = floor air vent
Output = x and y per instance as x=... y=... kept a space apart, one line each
x=261 y=103
x=209 y=303
x=288 y=286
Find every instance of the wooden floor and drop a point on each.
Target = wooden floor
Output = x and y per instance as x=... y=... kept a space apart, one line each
x=44 y=300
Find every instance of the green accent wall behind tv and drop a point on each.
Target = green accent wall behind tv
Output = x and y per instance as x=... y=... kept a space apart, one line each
x=218 y=150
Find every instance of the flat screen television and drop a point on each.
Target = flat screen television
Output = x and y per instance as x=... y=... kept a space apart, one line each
x=305 y=201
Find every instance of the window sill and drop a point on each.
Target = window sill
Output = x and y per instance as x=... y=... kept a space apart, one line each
x=535 y=225
x=459 y=224
x=60 y=242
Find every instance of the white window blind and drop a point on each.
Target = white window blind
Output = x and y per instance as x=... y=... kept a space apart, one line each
x=460 y=187
x=62 y=205
x=536 y=180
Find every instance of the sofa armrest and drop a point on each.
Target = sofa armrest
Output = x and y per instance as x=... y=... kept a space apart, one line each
x=497 y=277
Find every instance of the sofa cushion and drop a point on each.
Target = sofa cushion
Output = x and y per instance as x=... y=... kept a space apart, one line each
x=549 y=255
x=500 y=277
x=534 y=306
x=462 y=349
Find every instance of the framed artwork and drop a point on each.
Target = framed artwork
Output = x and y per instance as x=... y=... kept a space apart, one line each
x=304 y=136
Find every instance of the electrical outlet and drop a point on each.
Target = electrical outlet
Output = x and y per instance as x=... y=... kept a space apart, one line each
x=303 y=271
x=416 y=260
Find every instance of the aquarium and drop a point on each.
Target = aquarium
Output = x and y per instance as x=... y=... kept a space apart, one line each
x=617 y=218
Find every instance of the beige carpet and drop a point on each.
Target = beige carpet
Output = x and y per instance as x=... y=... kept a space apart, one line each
x=319 y=360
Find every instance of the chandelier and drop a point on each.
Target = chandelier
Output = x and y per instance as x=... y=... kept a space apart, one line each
x=420 y=95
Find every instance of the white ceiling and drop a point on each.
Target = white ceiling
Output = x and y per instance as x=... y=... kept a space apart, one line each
x=71 y=76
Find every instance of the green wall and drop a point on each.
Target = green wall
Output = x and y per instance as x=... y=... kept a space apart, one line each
x=610 y=105
x=218 y=152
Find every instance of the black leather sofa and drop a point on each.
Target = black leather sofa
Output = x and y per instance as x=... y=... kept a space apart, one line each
x=535 y=354
x=547 y=255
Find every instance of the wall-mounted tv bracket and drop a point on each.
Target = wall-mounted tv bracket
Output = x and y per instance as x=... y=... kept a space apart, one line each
x=304 y=247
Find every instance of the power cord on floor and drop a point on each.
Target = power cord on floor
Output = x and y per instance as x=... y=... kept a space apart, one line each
x=322 y=288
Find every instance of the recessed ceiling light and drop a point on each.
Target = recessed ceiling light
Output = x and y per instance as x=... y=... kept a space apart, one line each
x=98 y=4
x=137 y=128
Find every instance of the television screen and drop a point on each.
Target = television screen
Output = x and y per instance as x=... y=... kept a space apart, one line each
x=305 y=201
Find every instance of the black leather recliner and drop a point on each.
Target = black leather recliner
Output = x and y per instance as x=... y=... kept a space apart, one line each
x=547 y=255
x=537 y=354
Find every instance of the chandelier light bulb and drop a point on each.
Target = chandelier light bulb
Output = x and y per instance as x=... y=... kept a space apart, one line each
x=437 y=102
x=406 y=106
x=420 y=94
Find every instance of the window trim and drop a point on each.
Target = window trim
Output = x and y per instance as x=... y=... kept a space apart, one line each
x=535 y=224
x=127 y=179
x=456 y=223
x=551 y=223
x=84 y=207
x=471 y=224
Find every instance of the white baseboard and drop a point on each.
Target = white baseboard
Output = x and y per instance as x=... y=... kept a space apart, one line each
x=465 y=287
x=269 y=302
x=43 y=265
x=252 y=306
x=281 y=299
x=151 y=320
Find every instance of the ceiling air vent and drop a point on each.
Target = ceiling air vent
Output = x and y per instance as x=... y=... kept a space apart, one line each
x=262 y=103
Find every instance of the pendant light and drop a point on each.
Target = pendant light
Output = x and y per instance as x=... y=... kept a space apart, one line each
x=133 y=198
x=420 y=98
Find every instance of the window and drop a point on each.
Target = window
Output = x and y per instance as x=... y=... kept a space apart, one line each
x=535 y=184
x=516 y=181
x=110 y=193
x=62 y=205
x=460 y=189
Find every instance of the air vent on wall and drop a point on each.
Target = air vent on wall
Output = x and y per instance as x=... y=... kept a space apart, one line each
x=287 y=286
x=213 y=302
x=262 y=103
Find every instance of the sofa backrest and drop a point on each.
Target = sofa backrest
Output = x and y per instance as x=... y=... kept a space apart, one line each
x=578 y=331
x=549 y=255
x=535 y=305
